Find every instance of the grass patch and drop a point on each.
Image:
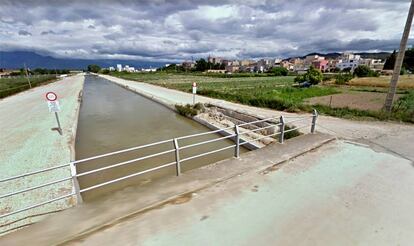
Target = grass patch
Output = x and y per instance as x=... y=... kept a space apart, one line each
x=189 y=110
x=291 y=134
x=11 y=86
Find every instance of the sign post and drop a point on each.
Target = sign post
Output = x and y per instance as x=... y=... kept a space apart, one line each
x=194 y=91
x=53 y=105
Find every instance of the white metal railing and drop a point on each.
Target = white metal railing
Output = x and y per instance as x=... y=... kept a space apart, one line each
x=235 y=135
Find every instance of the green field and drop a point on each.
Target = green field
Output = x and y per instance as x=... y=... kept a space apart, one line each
x=170 y=78
x=267 y=91
x=10 y=86
x=276 y=93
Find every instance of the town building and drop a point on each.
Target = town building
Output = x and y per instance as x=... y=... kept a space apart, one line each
x=119 y=67
x=232 y=68
x=322 y=65
x=348 y=61
x=187 y=65
x=374 y=64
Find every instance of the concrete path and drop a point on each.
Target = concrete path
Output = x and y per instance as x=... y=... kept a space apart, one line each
x=393 y=137
x=28 y=144
x=338 y=194
x=90 y=218
x=341 y=194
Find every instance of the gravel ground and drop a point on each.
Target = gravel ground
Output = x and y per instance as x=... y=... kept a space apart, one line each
x=28 y=144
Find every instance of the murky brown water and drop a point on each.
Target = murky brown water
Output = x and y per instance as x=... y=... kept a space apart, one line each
x=113 y=118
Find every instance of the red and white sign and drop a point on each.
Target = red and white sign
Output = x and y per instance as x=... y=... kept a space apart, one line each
x=52 y=102
x=194 y=88
x=51 y=96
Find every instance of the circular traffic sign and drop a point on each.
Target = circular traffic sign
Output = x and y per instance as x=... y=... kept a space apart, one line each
x=194 y=84
x=51 y=96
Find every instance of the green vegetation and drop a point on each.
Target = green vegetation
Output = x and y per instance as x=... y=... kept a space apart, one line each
x=280 y=71
x=290 y=134
x=365 y=71
x=313 y=76
x=189 y=110
x=10 y=86
x=343 y=78
x=94 y=68
x=408 y=63
x=202 y=65
x=268 y=95
x=278 y=93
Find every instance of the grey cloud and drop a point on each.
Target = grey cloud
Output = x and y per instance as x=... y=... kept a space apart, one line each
x=47 y=32
x=24 y=33
x=179 y=29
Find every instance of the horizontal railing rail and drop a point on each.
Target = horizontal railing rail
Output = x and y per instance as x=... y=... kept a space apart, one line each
x=234 y=133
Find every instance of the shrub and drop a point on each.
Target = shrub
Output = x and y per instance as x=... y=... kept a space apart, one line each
x=365 y=71
x=280 y=71
x=188 y=110
x=94 y=68
x=343 y=78
x=314 y=76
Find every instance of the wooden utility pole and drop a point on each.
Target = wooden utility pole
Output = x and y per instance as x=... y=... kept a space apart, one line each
x=27 y=74
x=398 y=62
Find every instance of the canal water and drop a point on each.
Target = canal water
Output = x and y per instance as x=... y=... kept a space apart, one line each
x=113 y=118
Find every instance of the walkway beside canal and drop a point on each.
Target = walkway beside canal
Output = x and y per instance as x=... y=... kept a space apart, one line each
x=92 y=217
x=323 y=197
x=391 y=137
x=29 y=144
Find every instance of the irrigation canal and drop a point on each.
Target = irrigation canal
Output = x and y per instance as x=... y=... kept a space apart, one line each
x=113 y=118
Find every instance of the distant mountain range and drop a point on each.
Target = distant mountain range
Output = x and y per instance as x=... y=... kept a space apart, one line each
x=17 y=59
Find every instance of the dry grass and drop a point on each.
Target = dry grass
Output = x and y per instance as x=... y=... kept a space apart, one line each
x=354 y=100
x=405 y=82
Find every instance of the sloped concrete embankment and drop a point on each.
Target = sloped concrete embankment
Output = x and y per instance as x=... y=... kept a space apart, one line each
x=217 y=117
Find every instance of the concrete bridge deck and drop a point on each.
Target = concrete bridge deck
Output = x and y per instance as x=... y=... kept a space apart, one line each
x=312 y=190
x=88 y=218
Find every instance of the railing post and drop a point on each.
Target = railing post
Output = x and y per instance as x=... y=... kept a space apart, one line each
x=314 y=117
x=177 y=157
x=75 y=182
x=237 y=149
x=282 y=129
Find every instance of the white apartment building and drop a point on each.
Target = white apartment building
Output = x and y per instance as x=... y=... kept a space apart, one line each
x=348 y=60
x=118 y=67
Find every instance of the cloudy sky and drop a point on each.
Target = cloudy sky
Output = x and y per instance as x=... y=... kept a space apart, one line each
x=163 y=30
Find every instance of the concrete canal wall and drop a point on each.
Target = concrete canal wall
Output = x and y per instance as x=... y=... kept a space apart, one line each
x=29 y=144
x=169 y=98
